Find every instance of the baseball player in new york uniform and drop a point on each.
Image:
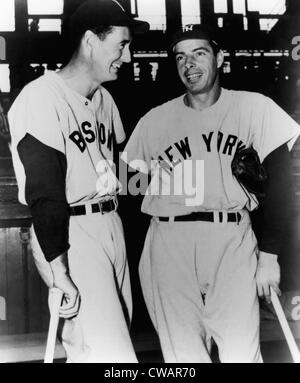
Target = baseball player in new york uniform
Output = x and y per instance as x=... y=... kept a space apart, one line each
x=64 y=126
x=201 y=268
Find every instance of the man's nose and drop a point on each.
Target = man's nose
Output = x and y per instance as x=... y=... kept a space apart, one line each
x=126 y=56
x=189 y=62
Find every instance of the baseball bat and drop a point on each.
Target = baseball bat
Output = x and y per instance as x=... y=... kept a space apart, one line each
x=285 y=327
x=55 y=302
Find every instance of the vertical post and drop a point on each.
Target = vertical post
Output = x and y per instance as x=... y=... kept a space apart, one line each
x=21 y=15
x=207 y=12
x=230 y=6
x=173 y=15
x=19 y=56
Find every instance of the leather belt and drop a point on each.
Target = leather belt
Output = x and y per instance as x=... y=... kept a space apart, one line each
x=99 y=207
x=204 y=216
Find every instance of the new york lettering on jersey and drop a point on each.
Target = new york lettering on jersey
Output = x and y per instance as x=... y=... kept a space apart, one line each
x=181 y=150
x=183 y=137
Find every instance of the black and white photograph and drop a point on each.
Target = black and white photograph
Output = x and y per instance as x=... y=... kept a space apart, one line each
x=150 y=184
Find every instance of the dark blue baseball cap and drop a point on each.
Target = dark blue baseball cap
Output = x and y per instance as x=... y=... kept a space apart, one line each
x=93 y=13
x=194 y=31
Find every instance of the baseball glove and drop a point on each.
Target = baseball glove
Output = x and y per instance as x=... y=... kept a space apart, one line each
x=248 y=171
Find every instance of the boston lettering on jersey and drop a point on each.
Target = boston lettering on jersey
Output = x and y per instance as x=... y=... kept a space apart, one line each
x=88 y=135
x=181 y=150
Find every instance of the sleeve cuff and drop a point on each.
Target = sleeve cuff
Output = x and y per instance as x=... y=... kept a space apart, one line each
x=270 y=246
x=51 y=256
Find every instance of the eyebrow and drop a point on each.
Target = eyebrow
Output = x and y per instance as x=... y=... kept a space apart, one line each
x=125 y=41
x=194 y=50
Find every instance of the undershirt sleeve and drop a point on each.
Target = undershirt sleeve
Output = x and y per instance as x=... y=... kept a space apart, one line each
x=277 y=203
x=45 y=170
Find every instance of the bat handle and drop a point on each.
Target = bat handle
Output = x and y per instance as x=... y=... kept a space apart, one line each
x=285 y=327
x=55 y=303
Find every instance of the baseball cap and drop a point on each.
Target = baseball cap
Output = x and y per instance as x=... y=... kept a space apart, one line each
x=194 y=31
x=93 y=13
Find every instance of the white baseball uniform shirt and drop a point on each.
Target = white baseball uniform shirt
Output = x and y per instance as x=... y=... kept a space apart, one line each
x=63 y=119
x=173 y=134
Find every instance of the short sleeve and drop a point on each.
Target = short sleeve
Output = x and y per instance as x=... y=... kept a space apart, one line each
x=137 y=153
x=274 y=129
x=34 y=112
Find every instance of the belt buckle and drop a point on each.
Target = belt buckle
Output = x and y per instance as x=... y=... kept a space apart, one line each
x=237 y=215
x=100 y=204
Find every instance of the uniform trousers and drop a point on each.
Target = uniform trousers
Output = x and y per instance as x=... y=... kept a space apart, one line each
x=198 y=281
x=98 y=267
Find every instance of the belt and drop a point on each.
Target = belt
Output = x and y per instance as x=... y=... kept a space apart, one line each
x=204 y=216
x=99 y=207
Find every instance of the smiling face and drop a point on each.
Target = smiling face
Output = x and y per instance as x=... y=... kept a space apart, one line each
x=109 y=54
x=197 y=65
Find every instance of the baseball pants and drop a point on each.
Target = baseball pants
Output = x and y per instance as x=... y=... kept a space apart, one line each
x=183 y=262
x=98 y=267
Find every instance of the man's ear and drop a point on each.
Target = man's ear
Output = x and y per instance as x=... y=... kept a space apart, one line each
x=88 y=39
x=220 y=58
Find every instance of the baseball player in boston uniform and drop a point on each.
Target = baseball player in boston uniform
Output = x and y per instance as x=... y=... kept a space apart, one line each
x=64 y=126
x=201 y=268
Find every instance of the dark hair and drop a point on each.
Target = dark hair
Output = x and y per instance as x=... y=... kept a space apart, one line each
x=102 y=31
